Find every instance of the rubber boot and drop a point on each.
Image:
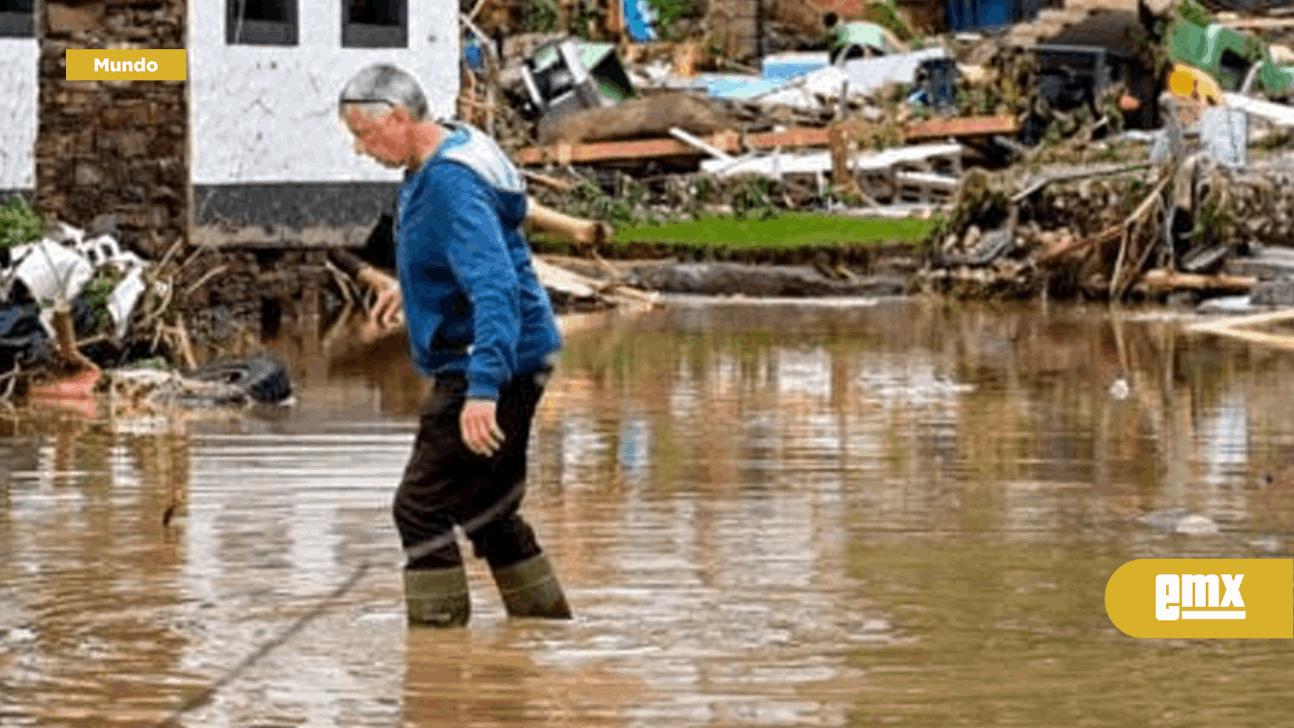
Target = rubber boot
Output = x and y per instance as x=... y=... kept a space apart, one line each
x=529 y=589
x=437 y=597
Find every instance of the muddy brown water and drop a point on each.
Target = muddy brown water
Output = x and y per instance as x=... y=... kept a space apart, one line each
x=809 y=514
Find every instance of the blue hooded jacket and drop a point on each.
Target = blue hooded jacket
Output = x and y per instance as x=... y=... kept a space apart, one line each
x=472 y=301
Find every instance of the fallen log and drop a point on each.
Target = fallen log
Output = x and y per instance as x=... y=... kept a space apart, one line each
x=579 y=230
x=1160 y=280
x=549 y=182
x=651 y=116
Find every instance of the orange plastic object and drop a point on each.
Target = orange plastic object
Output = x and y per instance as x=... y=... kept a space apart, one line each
x=79 y=387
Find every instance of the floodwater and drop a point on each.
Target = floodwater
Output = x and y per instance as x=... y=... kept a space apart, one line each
x=901 y=513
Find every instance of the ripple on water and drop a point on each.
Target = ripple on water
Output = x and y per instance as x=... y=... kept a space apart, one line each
x=829 y=514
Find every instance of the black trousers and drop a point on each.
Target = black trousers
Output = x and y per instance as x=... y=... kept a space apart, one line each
x=445 y=484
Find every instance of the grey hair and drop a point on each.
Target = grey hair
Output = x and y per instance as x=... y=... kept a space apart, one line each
x=383 y=82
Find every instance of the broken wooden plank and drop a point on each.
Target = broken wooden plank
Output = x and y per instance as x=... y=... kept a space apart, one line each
x=1235 y=322
x=971 y=126
x=560 y=279
x=773 y=165
x=606 y=151
x=686 y=138
x=730 y=142
x=1280 y=341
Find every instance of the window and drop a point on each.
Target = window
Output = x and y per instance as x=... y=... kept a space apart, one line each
x=375 y=24
x=261 y=22
x=17 y=19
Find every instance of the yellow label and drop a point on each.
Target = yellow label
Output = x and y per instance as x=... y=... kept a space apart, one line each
x=167 y=64
x=1201 y=598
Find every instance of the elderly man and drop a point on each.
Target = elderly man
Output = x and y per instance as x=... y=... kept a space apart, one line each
x=481 y=325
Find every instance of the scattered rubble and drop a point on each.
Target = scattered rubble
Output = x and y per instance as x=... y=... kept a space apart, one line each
x=1094 y=151
x=75 y=312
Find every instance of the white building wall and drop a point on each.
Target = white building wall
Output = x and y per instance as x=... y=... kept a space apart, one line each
x=264 y=114
x=18 y=91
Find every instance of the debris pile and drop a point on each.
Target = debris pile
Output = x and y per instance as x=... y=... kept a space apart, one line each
x=79 y=315
x=1189 y=231
x=1093 y=150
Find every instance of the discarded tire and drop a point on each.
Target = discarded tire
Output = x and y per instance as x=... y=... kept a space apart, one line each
x=263 y=378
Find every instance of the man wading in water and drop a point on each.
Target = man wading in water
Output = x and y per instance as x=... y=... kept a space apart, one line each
x=481 y=325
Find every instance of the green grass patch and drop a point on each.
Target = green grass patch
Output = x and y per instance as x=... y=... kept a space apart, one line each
x=786 y=231
x=19 y=223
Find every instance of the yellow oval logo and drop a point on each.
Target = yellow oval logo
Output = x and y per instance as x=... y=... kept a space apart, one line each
x=1203 y=598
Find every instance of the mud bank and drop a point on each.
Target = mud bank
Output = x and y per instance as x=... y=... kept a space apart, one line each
x=732 y=279
x=230 y=295
x=867 y=258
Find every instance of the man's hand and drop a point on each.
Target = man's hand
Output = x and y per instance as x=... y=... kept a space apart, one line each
x=387 y=310
x=481 y=432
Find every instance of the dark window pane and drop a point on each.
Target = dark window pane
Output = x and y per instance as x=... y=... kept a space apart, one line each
x=374 y=24
x=265 y=10
x=261 y=22
x=17 y=19
x=375 y=12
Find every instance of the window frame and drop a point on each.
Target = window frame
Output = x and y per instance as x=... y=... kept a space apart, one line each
x=263 y=32
x=366 y=35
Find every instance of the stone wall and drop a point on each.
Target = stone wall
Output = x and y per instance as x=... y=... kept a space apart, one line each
x=113 y=155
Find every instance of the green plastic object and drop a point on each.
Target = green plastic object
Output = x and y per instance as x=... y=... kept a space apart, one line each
x=1229 y=56
x=863 y=34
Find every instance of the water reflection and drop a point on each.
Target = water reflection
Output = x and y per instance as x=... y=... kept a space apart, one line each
x=901 y=513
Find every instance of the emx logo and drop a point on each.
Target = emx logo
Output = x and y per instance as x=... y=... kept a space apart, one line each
x=1193 y=598
x=1197 y=595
